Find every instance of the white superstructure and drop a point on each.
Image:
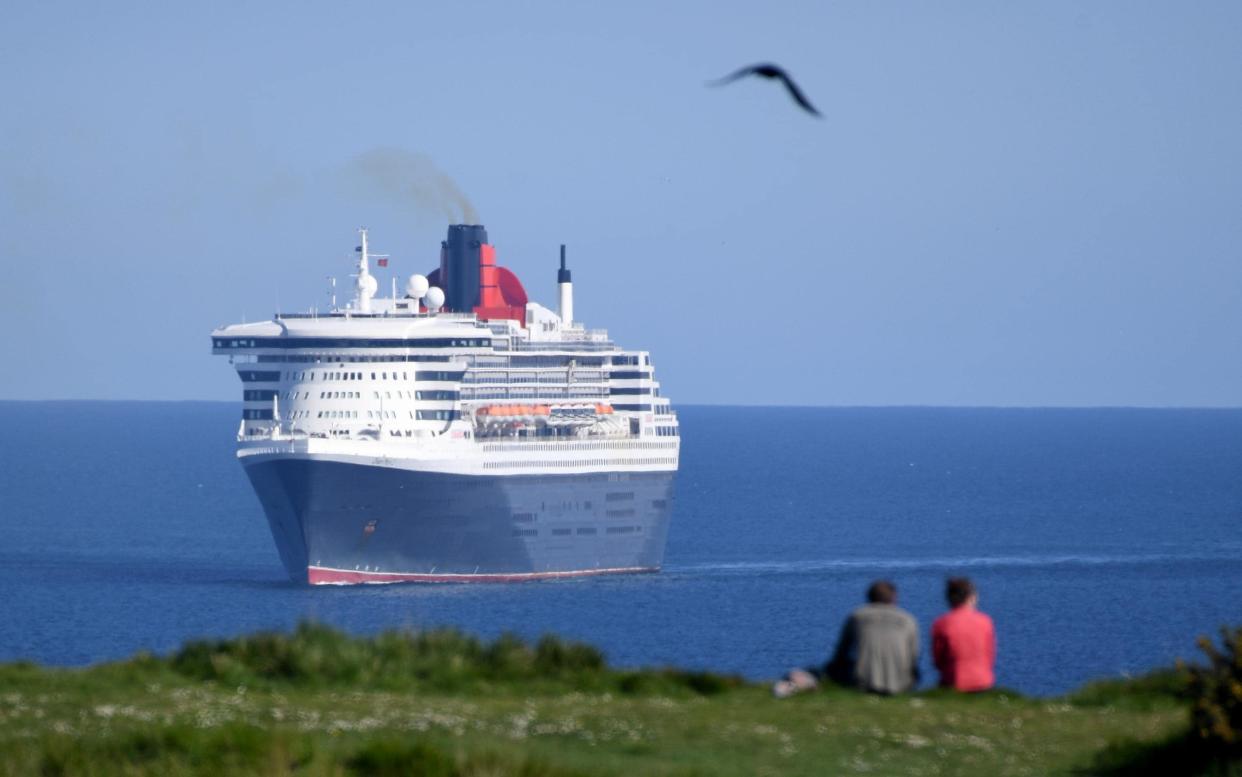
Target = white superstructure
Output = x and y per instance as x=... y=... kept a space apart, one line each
x=397 y=382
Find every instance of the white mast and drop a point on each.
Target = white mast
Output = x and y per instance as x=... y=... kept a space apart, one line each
x=366 y=284
x=564 y=283
x=275 y=414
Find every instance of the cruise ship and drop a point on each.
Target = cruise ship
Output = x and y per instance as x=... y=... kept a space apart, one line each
x=452 y=431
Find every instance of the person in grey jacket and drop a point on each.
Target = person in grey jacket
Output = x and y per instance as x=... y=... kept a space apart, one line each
x=879 y=646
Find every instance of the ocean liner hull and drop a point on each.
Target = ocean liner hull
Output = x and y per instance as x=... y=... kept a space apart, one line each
x=336 y=522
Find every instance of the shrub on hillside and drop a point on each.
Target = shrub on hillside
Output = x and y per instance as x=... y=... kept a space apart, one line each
x=316 y=654
x=1216 y=694
x=443 y=660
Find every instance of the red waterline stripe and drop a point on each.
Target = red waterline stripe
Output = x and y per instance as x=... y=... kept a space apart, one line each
x=330 y=576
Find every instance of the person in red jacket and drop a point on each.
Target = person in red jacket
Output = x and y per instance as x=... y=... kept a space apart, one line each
x=964 y=641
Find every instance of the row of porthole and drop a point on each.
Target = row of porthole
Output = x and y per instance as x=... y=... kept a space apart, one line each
x=581 y=531
x=577 y=463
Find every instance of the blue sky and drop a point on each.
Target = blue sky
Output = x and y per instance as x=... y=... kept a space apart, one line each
x=1005 y=204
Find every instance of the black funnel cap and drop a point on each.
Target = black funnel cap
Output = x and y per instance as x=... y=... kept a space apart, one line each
x=460 y=266
x=562 y=276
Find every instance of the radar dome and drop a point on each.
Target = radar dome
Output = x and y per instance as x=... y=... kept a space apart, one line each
x=416 y=286
x=367 y=284
x=434 y=298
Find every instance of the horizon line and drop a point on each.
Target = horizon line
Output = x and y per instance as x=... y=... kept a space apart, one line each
x=769 y=406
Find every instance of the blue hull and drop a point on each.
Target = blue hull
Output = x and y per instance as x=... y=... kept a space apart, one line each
x=345 y=523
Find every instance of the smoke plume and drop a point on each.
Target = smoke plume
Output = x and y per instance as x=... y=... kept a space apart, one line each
x=409 y=177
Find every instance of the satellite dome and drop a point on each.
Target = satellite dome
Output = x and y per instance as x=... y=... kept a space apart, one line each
x=417 y=286
x=367 y=284
x=434 y=298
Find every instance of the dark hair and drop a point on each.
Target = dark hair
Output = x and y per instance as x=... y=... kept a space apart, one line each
x=882 y=592
x=957 y=590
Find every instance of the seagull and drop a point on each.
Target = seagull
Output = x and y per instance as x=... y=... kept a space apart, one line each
x=768 y=70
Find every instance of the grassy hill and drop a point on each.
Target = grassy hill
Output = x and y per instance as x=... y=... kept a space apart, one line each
x=318 y=702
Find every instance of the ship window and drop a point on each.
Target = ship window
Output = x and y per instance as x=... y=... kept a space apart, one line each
x=560 y=532
x=524 y=517
x=436 y=375
x=619 y=513
x=437 y=394
x=259 y=376
x=525 y=532
x=586 y=531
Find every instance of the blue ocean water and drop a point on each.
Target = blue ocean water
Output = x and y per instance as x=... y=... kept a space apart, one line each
x=1102 y=541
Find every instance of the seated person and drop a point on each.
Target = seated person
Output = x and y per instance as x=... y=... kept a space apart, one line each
x=964 y=640
x=878 y=650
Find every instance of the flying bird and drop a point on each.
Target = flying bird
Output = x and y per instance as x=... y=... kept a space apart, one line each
x=768 y=70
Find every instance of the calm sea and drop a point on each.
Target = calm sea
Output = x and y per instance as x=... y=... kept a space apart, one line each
x=1103 y=541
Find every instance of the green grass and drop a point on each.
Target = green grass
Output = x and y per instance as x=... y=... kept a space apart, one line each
x=318 y=702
